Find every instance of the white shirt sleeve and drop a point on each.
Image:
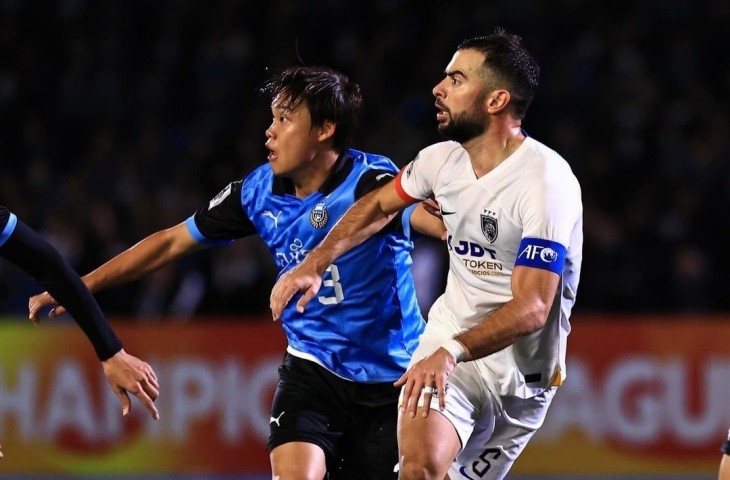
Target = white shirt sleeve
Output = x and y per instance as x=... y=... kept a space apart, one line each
x=418 y=179
x=552 y=206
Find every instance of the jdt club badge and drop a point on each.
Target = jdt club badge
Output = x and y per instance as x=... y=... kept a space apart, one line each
x=489 y=226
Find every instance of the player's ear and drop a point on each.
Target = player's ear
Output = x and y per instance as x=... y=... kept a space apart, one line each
x=497 y=100
x=327 y=130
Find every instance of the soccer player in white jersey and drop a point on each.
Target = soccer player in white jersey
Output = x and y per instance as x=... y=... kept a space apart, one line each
x=493 y=351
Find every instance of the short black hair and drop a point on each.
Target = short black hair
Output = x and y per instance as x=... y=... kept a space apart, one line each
x=510 y=63
x=327 y=94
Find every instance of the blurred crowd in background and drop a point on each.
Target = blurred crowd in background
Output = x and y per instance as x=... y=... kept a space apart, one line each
x=119 y=118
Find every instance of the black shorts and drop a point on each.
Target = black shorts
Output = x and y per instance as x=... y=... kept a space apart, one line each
x=353 y=423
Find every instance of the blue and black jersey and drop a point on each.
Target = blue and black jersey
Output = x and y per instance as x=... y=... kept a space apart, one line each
x=365 y=321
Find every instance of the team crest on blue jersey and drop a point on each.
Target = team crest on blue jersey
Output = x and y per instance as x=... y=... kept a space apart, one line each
x=319 y=216
x=489 y=226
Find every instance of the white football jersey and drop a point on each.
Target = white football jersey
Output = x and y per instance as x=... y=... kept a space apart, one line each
x=527 y=211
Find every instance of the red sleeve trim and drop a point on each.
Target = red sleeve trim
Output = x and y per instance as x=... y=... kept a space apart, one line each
x=402 y=193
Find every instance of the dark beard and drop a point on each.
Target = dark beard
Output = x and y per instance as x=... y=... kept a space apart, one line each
x=461 y=128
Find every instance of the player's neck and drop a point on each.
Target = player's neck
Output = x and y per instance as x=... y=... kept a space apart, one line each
x=493 y=147
x=314 y=173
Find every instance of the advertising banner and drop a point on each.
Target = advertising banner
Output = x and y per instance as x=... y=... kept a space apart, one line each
x=58 y=415
x=642 y=396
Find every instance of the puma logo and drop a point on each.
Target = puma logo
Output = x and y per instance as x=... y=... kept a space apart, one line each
x=276 y=420
x=383 y=175
x=275 y=218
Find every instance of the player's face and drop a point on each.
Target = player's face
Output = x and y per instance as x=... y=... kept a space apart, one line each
x=460 y=97
x=291 y=140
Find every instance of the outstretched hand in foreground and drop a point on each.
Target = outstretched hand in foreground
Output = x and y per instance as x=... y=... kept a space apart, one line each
x=128 y=374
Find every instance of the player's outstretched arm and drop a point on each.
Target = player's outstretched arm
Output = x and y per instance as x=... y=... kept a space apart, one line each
x=150 y=254
x=366 y=217
x=37 y=257
x=31 y=252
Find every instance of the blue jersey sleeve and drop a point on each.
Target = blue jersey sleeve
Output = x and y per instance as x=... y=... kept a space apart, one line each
x=406 y=221
x=223 y=219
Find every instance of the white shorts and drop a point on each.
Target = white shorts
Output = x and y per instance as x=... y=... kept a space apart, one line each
x=493 y=430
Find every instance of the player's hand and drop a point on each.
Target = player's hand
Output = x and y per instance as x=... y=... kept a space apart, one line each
x=302 y=278
x=422 y=378
x=1 y=451
x=38 y=302
x=127 y=373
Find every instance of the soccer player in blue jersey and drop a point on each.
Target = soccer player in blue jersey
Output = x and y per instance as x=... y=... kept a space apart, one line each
x=335 y=408
x=29 y=251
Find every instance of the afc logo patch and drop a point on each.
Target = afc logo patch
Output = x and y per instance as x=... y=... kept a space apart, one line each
x=319 y=217
x=489 y=226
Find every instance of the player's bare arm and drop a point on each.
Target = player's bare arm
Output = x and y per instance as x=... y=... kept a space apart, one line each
x=365 y=218
x=426 y=219
x=533 y=293
x=724 y=473
x=148 y=255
